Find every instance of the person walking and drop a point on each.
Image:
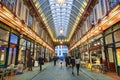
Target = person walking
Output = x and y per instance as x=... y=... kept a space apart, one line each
x=77 y=62
x=41 y=62
x=73 y=64
x=55 y=59
x=66 y=60
x=31 y=59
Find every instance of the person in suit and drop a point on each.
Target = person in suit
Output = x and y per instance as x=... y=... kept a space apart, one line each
x=41 y=62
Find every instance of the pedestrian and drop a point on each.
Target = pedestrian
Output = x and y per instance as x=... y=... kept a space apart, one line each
x=31 y=59
x=41 y=62
x=73 y=64
x=66 y=60
x=55 y=59
x=61 y=61
x=77 y=62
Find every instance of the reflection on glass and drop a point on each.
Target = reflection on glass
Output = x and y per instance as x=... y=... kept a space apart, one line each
x=10 y=55
x=117 y=36
x=13 y=38
x=2 y=54
x=3 y=45
x=4 y=35
x=109 y=39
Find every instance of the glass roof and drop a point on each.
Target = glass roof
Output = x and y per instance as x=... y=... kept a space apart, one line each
x=58 y=17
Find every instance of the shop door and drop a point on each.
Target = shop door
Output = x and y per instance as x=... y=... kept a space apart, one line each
x=12 y=49
x=111 y=59
x=12 y=54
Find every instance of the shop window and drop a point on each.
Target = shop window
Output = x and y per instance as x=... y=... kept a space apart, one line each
x=117 y=26
x=22 y=49
x=30 y=21
x=108 y=31
x=4 y=35
x=117 y=36
x=118 y=56
x=108 y=39
x=13 y=39
x=32 y=47
x=28 y=45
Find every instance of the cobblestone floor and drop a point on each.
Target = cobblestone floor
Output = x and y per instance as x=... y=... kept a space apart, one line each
x=58 y=73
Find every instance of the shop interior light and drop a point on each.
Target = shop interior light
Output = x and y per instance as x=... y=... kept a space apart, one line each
x=61 y=31
x=61 y=42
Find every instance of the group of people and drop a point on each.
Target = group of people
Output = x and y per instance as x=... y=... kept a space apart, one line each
x=40 y=62
x=72 y=62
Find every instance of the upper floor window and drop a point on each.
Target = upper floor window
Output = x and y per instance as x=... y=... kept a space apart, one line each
x=30 y=21
x=102 y=7
x=26 y=15
x=19 y=7
x=9 y=3
x=112 y=3
x=91 y=18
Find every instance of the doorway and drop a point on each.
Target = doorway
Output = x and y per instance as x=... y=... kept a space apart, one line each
x=12 y=53
x=111 y=58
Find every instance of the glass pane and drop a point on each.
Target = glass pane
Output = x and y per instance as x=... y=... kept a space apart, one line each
x=4 y=35
x=13 y=38
x=108 y=39
x=23 y=42
x=30 y=21
x=117 y=36
x=110 y=52
x=3 y=49
x=116 y=27
x=108 y=31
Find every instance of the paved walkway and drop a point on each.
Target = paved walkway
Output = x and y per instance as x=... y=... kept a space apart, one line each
x=95 y=75
x=58 y=73
x=30 y=74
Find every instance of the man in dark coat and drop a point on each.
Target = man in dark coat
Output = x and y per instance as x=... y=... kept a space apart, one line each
x=41 y=62
x=31 y=59
x=72 y=63
x=55 y=59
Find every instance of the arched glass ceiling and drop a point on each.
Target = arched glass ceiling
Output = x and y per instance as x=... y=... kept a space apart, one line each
x=65 y=16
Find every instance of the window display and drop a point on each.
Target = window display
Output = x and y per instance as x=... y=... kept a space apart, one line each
x=3 y=45
x=118 y=56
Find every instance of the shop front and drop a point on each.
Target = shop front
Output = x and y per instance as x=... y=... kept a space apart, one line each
x=26 y=49
x=4 y=38
x=13 y=49
x=9 y=45
x=112 y=48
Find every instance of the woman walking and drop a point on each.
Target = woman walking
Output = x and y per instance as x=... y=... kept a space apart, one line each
x=77 y=62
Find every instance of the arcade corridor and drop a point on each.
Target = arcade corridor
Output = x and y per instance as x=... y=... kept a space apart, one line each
x=37 y=32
